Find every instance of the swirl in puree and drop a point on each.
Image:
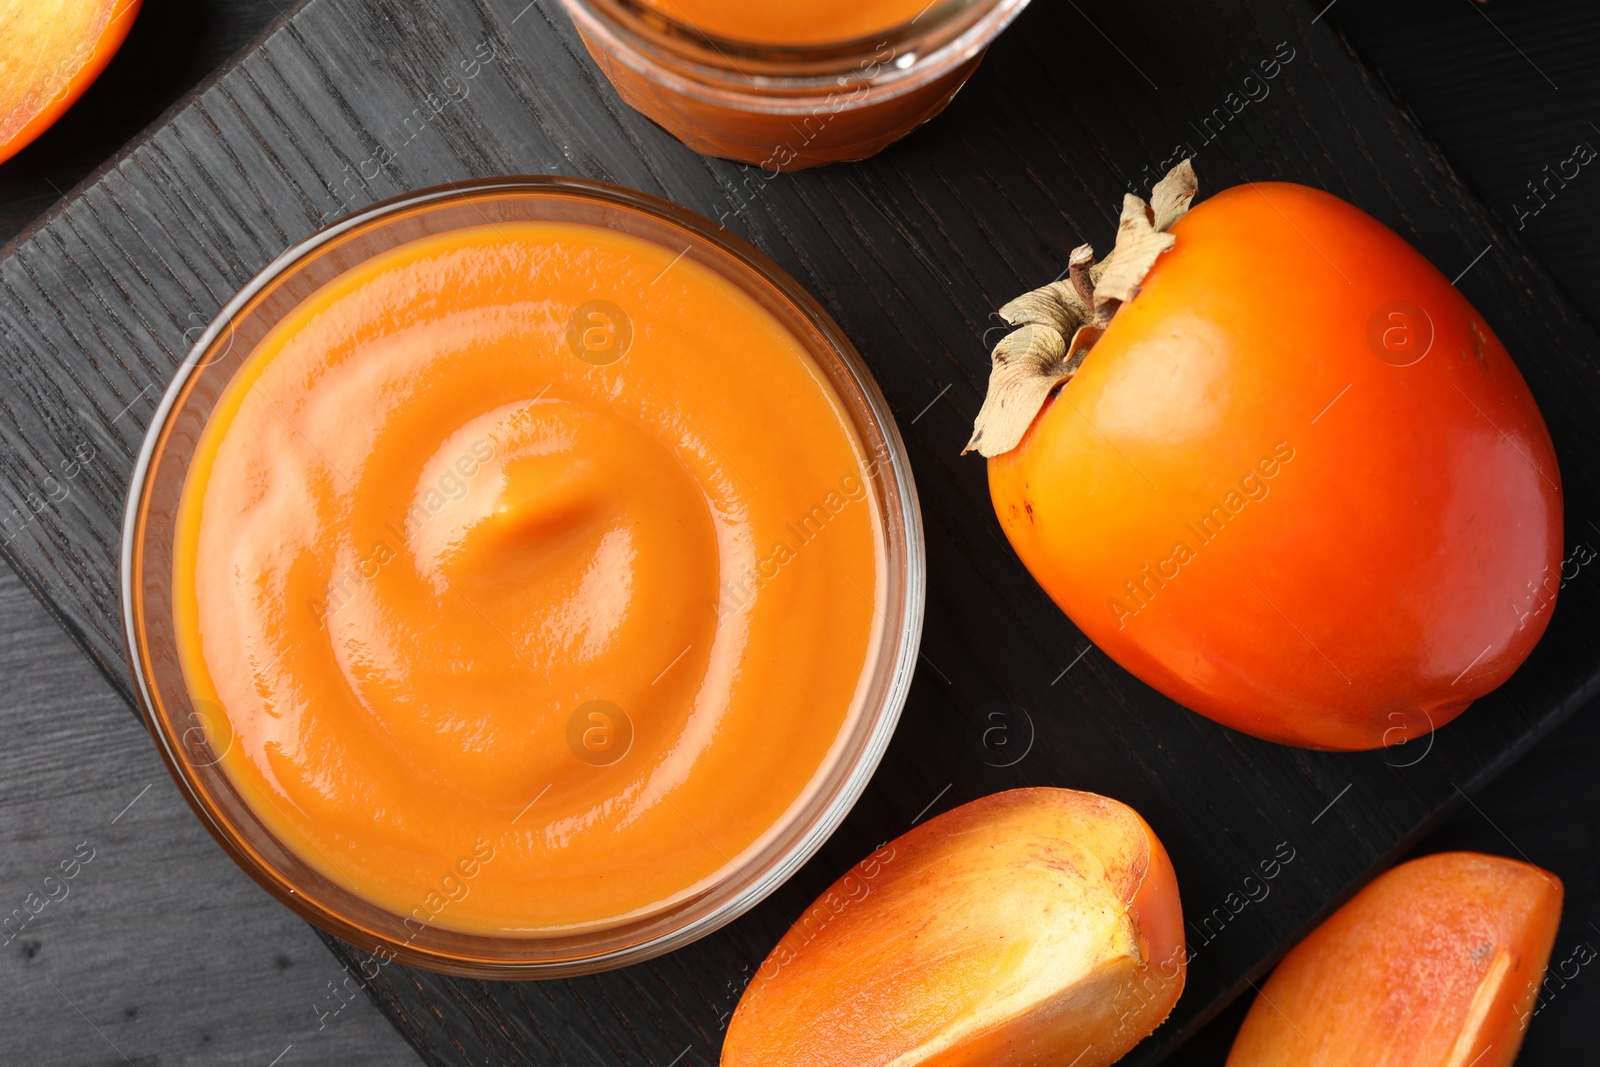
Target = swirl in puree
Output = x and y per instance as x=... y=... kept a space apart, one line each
x=533 y=560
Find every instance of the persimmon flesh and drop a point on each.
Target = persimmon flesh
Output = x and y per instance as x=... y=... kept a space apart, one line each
x=1297 y=484
x=1437 y=963
x=50 y=52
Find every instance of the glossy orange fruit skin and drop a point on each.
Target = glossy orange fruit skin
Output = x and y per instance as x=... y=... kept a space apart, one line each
x=1245 y=499
x=80 y=64
x=1437 y=963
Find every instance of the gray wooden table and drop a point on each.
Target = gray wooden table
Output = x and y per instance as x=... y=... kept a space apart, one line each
x=158 y=950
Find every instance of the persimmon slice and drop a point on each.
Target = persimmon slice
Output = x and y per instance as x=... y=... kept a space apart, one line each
x=50 y=52
x=1031 y=927
x=1437 y=963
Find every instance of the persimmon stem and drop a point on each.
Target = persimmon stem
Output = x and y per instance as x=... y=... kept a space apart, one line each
x=1057 y=324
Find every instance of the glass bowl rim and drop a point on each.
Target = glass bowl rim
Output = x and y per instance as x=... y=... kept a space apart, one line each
x=896 y=657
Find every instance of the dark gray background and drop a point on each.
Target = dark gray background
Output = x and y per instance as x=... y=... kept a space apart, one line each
x=196 y=965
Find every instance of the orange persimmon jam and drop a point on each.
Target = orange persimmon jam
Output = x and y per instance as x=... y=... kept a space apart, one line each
x=794 y=22
x=534 y=558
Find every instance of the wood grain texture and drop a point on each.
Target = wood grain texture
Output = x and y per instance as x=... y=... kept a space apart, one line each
x=1510 y=90
x=911 y=252
x=157 y=949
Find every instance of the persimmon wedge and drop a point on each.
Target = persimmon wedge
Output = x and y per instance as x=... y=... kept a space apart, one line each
x=50 y=52
x=1032 y=927
x=1435 y=964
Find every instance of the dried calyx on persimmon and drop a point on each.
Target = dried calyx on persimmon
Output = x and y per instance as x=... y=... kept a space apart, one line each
x=1057 y=324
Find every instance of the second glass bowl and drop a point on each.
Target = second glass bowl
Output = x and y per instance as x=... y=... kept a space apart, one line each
x=787 y=107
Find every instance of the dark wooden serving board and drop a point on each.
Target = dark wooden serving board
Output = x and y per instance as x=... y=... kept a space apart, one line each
x=911 y=252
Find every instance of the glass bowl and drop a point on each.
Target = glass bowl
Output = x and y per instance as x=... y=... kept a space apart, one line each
x=788 y=107
x=192 y=737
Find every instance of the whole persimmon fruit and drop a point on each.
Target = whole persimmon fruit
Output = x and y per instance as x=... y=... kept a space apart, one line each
x=1272 y=462
x=50 y=52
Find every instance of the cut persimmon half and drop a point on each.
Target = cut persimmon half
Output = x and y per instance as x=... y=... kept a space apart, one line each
x=1029 y=928
x=1437 y=963
x=50 y=52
